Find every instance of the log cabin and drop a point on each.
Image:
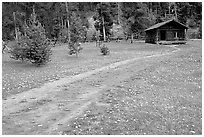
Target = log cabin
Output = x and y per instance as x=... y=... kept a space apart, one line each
x=168 y=32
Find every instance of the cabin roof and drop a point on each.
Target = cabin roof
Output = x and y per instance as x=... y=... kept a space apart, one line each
x=158 y=25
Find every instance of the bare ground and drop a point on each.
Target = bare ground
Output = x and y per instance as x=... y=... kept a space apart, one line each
x=153 y=94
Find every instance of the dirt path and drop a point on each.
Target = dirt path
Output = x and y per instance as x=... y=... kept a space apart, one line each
x=48 y=109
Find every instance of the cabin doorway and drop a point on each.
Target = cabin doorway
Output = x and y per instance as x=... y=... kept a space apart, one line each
x=162 y=35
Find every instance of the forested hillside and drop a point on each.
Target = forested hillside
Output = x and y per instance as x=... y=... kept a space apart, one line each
x=113 y=19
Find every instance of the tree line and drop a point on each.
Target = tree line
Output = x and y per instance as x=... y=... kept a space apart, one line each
x=126 y=19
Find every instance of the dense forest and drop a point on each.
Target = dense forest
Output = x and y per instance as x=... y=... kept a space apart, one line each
x=114 y=19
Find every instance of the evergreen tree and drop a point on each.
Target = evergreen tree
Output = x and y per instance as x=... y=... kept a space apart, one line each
x=77 y=34
x=56 y=30
x=34 y=46
x=103 y=20
x=105 y=14
x=133 y=21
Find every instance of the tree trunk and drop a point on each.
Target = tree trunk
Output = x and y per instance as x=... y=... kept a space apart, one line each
x=25 y=25
x=62 y=23
x=67 y=21
x=175 y=10
x=104 y=31
x=132 y=38
x=14 y=18
x=77 y=53
x=119 y=13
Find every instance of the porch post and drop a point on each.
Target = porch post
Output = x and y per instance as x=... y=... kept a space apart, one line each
x=176 y=35
x=185 y=35
x=157 y=36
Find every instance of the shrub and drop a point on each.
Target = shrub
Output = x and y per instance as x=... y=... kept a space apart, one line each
x=20 y=48
x=74 y=48
x=104 y=50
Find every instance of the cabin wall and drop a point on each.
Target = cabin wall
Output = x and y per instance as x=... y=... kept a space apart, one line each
x=174 y=32
x=150 y=36
x=171 y=35
x=154 y=36
x=181 y=34
x=171 y=28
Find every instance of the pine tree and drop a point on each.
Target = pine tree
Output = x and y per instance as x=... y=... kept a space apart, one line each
x=103 y=20
x=34 y=46
x=56 y=30
x=77 y=34
x=133 y=18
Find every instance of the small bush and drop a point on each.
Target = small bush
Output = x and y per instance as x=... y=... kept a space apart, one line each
x=19 y=49
x=74 y=48
x=104 y=50
x=193 y=33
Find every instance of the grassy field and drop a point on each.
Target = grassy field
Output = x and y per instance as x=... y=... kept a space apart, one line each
x=153 y=95
x=163 y=99
x=20 y=76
